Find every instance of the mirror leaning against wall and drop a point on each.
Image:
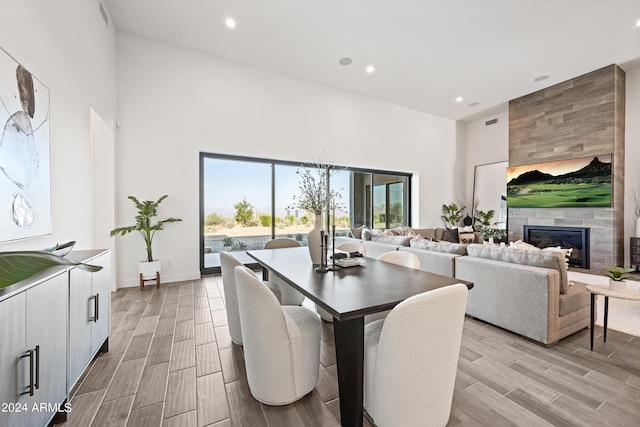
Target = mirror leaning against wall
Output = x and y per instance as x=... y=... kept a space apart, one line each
x=490 y=191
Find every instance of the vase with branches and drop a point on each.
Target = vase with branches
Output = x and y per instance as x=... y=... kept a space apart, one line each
x=316 y=197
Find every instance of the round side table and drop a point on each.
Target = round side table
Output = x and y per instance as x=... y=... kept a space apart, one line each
x=627 y=294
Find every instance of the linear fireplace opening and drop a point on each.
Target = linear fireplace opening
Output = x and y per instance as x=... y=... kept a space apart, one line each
x=576 y=238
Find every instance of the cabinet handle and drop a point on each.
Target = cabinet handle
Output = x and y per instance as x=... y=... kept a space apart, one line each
x=37 y=367
x=93 y=319
x=97 y=307
x=31 y=384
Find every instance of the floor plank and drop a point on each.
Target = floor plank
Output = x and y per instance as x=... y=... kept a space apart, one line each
x=172 y=363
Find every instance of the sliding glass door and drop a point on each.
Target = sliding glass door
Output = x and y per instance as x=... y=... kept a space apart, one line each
x=247 y=201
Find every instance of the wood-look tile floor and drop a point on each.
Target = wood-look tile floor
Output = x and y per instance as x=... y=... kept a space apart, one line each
x=171 y=363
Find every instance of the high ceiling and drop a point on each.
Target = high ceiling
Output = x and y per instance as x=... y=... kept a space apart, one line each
x=426 y=53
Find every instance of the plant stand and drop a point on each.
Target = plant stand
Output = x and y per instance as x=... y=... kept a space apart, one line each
x=157 y=279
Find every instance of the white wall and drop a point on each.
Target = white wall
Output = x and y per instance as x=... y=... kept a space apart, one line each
x=67 y=46
x=632 y=154
x=174 y=103
x=486 y=144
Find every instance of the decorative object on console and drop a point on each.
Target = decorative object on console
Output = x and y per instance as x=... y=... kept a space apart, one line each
x=17 y=266
x=452 y=215
x=150 y=269
x=61 y=249
x=25 y=196
x=617 y=276
x=583 y=182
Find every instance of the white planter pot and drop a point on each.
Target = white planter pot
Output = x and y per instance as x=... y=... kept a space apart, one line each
x=617 y=285
x=314 y=241
x=637 y=227
x=149 y=269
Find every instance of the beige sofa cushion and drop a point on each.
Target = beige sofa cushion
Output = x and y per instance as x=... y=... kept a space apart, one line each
x=447 y=247
x=532 y=257
x=393 y=240
x=575 y=298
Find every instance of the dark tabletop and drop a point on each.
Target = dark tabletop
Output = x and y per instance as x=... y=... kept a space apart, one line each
x=354 y=291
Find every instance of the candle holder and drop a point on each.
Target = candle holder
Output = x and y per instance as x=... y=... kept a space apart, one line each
x=333 y=266
x=322 y=268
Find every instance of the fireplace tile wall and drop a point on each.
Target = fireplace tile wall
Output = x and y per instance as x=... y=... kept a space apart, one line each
x=577 y=118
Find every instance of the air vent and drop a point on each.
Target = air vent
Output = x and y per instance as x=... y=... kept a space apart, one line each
x=491 y=122
x=104 y=14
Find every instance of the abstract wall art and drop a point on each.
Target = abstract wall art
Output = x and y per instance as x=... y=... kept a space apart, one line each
x=25 y=179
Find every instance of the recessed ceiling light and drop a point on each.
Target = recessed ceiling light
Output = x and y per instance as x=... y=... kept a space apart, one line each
x=474 y=104
x=370 y=69
x=540 y=78
x=175 y=37
x=345 y=61
x=638 y=23
x=459 y=99
x=230 y=22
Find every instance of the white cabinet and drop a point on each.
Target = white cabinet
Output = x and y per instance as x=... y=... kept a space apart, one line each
x=89 y=314
x=33 y=353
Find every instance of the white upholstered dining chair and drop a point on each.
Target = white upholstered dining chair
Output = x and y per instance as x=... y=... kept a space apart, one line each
x=405 y=259
x=289 y=295
x=401 y=258
x=227 y=265
x=281 y=343
x=411 y=359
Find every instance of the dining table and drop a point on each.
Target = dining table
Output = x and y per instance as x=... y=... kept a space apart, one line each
x=349 y=294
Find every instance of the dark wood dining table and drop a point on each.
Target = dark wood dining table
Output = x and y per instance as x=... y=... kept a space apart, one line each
x=348 y=295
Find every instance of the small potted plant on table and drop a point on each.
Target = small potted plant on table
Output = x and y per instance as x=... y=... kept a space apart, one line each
x=150 y=268
x=616 y=277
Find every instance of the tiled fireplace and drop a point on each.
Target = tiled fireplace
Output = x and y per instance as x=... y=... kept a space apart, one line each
x=575 y=238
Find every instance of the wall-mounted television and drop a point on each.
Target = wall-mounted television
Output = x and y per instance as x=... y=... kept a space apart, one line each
x=582 y=182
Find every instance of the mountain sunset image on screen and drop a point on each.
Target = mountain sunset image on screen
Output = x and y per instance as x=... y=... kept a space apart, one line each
x=582 y=182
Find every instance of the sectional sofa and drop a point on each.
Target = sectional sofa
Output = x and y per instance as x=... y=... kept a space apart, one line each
x=523 y=290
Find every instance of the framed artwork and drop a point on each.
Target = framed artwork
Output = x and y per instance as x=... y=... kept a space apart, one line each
x=25 y=178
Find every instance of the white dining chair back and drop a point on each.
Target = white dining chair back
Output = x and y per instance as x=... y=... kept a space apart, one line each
x=405 y=259
x=227 y=265
x=352 y=247
x=281 y=343
x=289 y=295
x=282 y=242
x=411 y=359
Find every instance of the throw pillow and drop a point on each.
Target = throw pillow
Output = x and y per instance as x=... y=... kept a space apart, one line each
x=427 y=233
x=366 y=234
x=451 y=236
x=357 y=232
x=566 y=253
x=466 y=235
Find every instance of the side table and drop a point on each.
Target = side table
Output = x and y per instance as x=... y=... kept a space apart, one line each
x=627 y=294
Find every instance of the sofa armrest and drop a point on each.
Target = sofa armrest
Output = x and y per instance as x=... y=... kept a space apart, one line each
x=520 y=298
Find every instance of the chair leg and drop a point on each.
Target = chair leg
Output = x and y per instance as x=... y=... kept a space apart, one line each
x=157 y=280
x=141 y=282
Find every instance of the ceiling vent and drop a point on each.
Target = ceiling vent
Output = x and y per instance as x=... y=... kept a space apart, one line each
x=491 y=122
x=104 y=14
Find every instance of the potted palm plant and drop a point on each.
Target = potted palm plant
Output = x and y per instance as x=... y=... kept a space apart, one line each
x=616 y=277
x=147 y=210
